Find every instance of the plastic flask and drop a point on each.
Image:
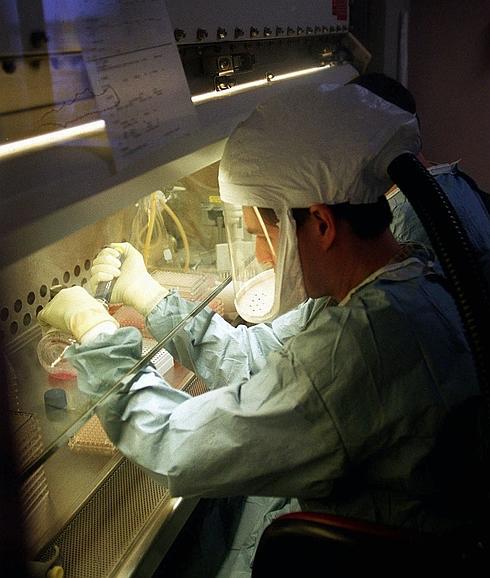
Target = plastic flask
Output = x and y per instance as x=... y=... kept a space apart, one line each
x=52 y=346
x=50 y=352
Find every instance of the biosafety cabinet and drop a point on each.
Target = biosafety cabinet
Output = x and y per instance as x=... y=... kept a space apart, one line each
x=113 y=119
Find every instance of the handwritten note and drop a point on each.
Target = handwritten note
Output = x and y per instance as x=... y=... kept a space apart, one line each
x=136 y=74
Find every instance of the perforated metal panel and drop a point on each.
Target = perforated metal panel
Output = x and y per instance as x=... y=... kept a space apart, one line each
x=95 y=540
x=25 y=284
x=195 y=387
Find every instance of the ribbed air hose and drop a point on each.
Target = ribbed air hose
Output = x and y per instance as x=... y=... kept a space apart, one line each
x=457 y=257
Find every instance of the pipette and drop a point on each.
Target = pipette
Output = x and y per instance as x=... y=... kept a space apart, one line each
x=104 y=289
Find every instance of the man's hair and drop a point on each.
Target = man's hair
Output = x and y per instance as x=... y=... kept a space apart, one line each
x=367 y=221
x=388 y=89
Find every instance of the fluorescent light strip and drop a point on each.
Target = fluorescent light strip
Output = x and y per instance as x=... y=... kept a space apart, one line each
x=50 y=138
x=198 y=98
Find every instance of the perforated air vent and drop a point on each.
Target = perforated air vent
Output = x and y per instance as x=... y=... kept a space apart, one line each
x=19 y=314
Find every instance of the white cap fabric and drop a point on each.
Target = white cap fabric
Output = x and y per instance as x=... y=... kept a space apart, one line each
x=330 y=144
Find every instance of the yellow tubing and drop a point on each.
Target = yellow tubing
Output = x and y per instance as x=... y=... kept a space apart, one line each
x=182 y=233
x=151 y=224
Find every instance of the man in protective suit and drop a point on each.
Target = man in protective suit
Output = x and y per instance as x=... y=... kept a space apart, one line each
x=333 y=400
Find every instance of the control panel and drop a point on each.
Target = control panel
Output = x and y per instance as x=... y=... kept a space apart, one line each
x=222 y=20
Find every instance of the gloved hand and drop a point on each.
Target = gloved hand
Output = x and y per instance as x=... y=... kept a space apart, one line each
x=76 y=312
x=134 y=286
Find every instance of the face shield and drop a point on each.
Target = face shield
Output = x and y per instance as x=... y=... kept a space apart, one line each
x=336 y=149
x=263 y=248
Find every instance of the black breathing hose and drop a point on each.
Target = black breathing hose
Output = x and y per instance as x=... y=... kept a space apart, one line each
x=456 y=255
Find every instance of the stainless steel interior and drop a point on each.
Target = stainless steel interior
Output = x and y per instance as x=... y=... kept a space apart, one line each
x=103 y=512
x=106 y=516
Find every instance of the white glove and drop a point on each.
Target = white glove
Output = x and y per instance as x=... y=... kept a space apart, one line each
x=76 y=312
x=134 y=286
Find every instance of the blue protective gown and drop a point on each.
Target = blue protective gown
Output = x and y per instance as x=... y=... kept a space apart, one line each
x=467 y=203
x=337 y=406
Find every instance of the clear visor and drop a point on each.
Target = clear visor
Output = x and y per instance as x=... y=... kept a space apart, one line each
x=253 y=238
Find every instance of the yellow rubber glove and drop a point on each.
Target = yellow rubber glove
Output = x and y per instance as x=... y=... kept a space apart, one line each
x=134 y=286
x=76 y=312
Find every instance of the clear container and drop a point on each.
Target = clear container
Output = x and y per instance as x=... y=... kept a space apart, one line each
x=50 y=352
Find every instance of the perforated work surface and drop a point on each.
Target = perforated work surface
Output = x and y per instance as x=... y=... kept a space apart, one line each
x=98 y=537
x=195 y=387
x=94 y=542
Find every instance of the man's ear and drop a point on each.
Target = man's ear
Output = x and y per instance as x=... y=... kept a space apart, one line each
x=324 y=224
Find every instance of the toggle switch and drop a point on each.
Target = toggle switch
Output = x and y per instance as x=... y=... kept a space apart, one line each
x=179 y=34
x=221 y=33
x=201 y=34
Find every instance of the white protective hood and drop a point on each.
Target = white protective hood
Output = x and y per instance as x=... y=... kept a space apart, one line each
x=330 y=144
